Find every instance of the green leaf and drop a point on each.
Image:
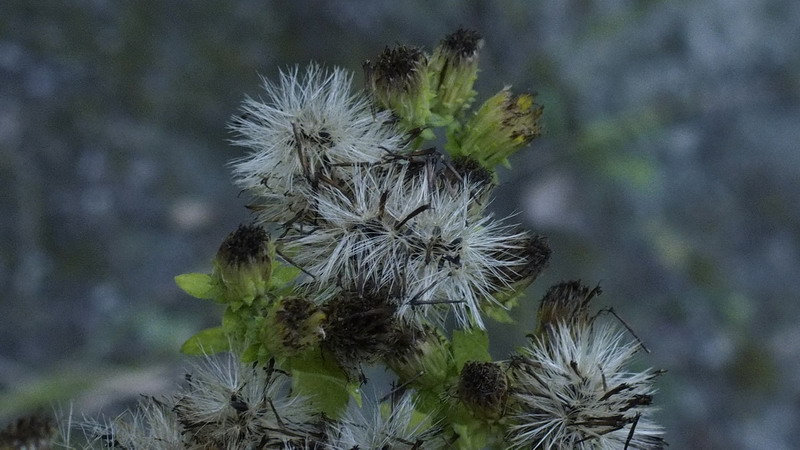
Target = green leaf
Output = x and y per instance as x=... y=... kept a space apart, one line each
x=198 y=285
x=470 y=436
x=470 y=345
x=282 y=274
x=320 y=378
x=251 y=353
x=207 y=342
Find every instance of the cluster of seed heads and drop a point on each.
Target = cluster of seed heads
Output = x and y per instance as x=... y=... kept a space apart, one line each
x=391 y=239
x=360 y=211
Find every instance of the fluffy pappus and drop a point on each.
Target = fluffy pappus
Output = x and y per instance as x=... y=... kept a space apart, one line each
x=229 y=404
x=572 y=389
x=417 y=235
x=309 y=126
x=396 y=429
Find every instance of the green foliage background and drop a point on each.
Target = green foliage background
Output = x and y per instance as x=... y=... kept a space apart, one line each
x=669 y=172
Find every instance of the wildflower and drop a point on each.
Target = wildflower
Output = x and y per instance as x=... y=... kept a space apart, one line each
x=243 y=264
x=396 y=427
x=418 y=238
x=292 y=325
x=421 y=356
x=309 y=127
x=503 y=124
x=453 y=69
x=572 y=389
x=566 y=302
x=358 y=328
x=228 y=404
x=152 y=425
x=399 y=81
x=483 y=387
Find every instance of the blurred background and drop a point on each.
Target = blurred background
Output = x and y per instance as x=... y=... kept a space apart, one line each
x=669 y=173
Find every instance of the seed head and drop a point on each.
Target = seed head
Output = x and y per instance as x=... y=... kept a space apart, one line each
x=572 y=389
x=308 y=128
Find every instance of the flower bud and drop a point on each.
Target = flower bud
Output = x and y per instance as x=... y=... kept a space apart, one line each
x=293 y=324
x=483 y=387
x=399 y=80
x=503 y=124
x=421 y=357
x=453 y=70
x=566 y=302
x=243 y=264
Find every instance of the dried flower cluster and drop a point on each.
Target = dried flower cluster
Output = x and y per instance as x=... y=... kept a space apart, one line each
x=364 y=243
x=361 y=211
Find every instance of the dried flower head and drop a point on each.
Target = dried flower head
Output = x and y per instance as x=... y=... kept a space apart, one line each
x=307 y=127
x=153 y=425
x=572 y=389
x=566 y=302
x=229 y=404
x=483 y=386
x=396 y=426
x=417 y=237
x=359 y=328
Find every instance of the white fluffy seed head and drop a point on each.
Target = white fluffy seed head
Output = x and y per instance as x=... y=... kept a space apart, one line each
x=572 y=389
x=413 y=234
x=152 y=425
x=226 y=402
x=309 y=124
x=397 y=428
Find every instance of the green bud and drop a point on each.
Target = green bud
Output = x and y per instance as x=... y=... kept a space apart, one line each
x=453 y=70
x=293 y=324
x=483 y=387
x=422 y=358
x=503 y=124
x=565 y=302
x=243 y=265
x=399 y=81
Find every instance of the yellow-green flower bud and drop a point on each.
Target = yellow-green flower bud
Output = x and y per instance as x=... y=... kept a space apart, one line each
x=292 y=325
x=243 y=264
x=399 y=81
x=453 y=70
x=422 y=358
x=502 y=125
x=483 y=387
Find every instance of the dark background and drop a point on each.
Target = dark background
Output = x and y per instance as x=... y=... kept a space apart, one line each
x=669 y=171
